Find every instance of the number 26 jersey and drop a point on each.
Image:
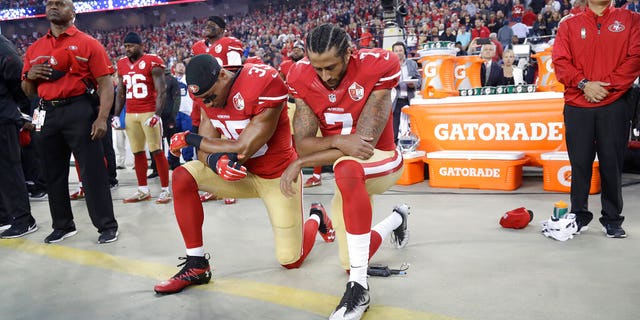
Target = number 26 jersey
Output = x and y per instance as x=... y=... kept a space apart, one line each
x=138 y=81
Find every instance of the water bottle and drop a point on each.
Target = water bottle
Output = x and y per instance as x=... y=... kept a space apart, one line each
x=560 y=209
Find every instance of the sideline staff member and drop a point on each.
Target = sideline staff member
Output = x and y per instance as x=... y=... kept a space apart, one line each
x=595 y=112
x=15 y=212
x=70 y=121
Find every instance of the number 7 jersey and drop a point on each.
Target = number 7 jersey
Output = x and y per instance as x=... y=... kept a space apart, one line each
x=338 y=110
x=138 y=81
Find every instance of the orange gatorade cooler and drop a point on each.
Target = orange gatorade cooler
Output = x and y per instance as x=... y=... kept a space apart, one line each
x=547 y=80
x=490 y=170
x=556 y=172
x=413 y=171
x=437 y=76
x=467 y=72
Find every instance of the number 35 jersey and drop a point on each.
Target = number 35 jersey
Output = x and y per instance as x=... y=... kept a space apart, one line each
x=138 y=81
x=338 y=110
x=256 y=88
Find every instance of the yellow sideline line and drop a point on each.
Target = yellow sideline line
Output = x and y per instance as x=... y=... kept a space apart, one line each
x=313 y=302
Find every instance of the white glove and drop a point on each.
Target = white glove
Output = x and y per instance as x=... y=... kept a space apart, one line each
x=115 y=122
x=153 y=121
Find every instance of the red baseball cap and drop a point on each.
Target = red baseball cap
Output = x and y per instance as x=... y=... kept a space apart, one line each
x=61 y=60
x=516 y=218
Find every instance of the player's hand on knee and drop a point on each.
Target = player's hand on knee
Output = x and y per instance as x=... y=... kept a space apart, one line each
x=153 y=121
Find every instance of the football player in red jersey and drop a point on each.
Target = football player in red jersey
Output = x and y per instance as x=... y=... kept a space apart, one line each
x=141 y=84
x=246 y=107
x=347 y=94
x=228 y=53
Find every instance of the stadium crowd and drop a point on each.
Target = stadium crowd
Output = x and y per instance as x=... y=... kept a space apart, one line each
x=271 y=32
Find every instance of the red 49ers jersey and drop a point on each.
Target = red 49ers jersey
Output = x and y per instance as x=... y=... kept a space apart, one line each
x=339 y=110
x=138 y=81
x=220 y=49
x=256 y=88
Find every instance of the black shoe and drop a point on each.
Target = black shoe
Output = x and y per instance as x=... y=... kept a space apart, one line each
x=153 y=174
x=17 y=231
x=38 y=195
x=60 y=234
x=196 y=270
x=113 y=185
x=354 y=303
x=108 y=236
x=614 y=231
x=400 y=236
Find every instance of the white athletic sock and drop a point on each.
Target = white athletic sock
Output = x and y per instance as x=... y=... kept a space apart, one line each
x=387 y=225
x=144 y=189
x=196 y=252
x=316 y=175
x=79 y=184
x=315 y=217
x=165 y=189
x=358 y=245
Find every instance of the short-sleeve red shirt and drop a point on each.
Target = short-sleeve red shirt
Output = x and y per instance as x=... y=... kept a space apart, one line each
x=91 y=57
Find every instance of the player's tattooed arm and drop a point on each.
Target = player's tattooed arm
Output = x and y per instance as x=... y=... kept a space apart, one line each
x=305 y=126
x=375 y=115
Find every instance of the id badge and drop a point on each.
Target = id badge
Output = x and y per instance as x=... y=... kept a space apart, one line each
x=35 y=119
x=41 y=116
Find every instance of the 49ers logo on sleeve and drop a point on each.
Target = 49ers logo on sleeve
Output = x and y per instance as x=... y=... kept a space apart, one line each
x=218 y=48
x=238 y=101
x=356 y=91
x=142 y=65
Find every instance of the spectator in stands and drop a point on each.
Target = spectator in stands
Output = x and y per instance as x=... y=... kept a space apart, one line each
x=521 y=30
x=407 y=86
x=553 y=22
x=448 y=35
x=505 y=34
x=365 y=38
x=540 y=26
x=596 y=110
x=517 y=11
x=480 y=31
x=461 y=51
x=529 y=17
x=633 y=5
x=463 y=37
x=511 y=74
x=490 y=70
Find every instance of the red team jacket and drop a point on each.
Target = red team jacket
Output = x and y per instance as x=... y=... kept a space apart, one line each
x=138 y=81
x=339 y=110
x=584 y=49
x=256 y=88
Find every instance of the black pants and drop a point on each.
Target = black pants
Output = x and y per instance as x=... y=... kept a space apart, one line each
x=67 y=129
x=603 y=131
x=110 y=156
x=32 y=168
x=397 y=111
x=14 y=198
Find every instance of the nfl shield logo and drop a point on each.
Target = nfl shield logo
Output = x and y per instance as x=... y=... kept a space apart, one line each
x=332 y=97
x=238 y=101
x=142 y=65
x=356 y=92
x=218 y=48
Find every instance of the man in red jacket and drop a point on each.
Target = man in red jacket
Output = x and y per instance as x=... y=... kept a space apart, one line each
x=596 y=56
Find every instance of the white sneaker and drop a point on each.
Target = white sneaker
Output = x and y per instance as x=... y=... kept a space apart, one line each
x=138 y=196
x=164 y=197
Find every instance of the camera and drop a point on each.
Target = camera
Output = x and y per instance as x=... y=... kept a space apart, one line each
x=392 y=12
